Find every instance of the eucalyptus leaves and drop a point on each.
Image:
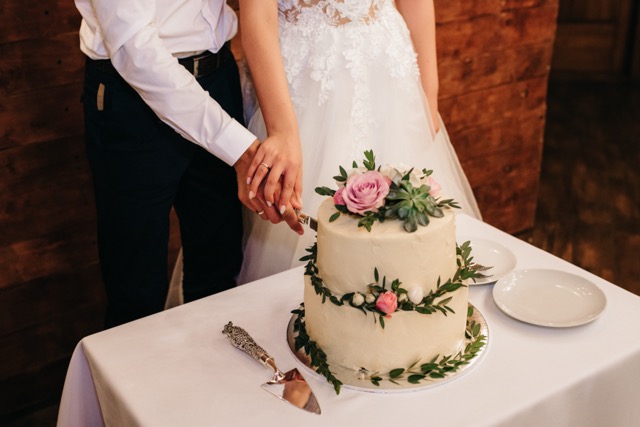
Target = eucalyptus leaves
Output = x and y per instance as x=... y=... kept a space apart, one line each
x=383 y=298
x=387 y=192
x=318 y=357
x=440 y=366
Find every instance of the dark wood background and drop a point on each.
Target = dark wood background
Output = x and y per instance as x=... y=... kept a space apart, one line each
x=494 y=60
x=598 y=37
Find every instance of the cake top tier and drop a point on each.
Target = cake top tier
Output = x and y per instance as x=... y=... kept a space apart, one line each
x=389 y=192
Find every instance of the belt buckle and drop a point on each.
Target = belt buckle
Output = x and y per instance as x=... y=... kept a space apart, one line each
x=196 y=66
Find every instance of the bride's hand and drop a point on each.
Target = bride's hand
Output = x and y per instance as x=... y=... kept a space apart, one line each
x=279 y=161
x=288 y=214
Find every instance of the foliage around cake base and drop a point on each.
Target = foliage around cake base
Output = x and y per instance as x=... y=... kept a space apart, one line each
x=437 y=368
x=315 y=353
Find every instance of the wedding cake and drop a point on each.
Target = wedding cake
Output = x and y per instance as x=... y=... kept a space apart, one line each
x=385 y=295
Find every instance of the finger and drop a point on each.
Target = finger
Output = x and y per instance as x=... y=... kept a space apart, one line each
x=258 y=158
x=276 y=194
x=288 y=185
x=291 y=218
x=272 y=183
x=272 y=214
x=257 y=180
x=269 y=211
x=296 y=200
x=257 y=206
x=251 y=204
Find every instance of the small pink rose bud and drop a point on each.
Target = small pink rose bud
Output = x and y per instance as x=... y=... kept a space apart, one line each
x=387 y=303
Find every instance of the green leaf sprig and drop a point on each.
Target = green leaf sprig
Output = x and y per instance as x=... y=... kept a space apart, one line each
x=438 y=367
x=315 y=353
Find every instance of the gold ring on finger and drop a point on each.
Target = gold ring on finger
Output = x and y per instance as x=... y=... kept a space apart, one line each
x=265 y=165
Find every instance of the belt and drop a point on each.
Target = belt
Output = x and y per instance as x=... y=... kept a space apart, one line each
x=199 y=65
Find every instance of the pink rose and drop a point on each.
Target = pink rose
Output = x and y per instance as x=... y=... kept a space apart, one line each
x=435 y=187
x=337 y=197
x=365 y=192
x=387 y=303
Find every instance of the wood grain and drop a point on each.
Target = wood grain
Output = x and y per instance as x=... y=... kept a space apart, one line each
x=24 y=20
x=596 y=37
x=32 y=65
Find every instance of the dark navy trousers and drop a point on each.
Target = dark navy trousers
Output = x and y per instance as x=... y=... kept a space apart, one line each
x=141 y=169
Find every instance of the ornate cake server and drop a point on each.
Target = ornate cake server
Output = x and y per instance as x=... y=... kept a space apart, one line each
x=289 y=386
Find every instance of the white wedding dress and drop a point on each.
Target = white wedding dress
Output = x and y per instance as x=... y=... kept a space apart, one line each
x=355 y=86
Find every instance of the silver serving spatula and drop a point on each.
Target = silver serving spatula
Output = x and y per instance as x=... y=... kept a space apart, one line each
x=289 y=386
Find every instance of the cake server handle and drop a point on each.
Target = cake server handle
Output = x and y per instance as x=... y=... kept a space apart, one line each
x=306 y=219
x=242 y=340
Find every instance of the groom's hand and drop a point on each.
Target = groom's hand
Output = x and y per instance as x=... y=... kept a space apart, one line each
x=242 y=166
x=291 y=218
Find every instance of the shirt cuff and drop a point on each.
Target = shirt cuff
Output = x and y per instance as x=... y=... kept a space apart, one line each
x=232 y=142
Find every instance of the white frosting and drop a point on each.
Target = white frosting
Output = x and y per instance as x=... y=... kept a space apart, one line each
x=346 y=258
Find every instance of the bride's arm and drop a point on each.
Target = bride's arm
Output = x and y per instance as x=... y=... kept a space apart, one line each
x=420 y=18
x=281 y=151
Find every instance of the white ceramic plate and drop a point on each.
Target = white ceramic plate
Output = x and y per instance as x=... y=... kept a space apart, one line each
x=490 y=254
x=549 y=298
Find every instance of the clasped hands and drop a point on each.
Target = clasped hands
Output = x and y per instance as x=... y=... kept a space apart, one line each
x=270 y=182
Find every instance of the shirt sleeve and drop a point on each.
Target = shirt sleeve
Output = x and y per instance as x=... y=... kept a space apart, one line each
x=133 y=42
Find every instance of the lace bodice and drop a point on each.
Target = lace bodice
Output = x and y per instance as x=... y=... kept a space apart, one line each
x=334 y=12
x=323 y=41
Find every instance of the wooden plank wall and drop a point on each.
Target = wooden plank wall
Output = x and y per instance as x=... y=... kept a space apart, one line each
x=50 y=295
x=594 y=37
x=494 y=61
x=635 y=48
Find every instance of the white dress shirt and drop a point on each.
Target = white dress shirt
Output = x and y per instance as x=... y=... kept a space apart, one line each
x=141 y=37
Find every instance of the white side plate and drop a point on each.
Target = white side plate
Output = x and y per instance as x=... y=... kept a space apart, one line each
x=549 y=298
x=490 y=254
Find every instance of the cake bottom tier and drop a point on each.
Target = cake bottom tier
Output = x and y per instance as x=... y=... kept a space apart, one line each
x=353 y=340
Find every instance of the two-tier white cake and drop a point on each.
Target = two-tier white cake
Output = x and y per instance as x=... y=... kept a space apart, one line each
x=385 y=294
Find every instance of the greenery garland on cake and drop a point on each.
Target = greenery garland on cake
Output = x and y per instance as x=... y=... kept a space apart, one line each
x=387 y=192
x=437 y=368
x=383 y=301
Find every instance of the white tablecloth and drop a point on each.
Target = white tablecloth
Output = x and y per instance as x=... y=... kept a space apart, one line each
x=176 y=368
